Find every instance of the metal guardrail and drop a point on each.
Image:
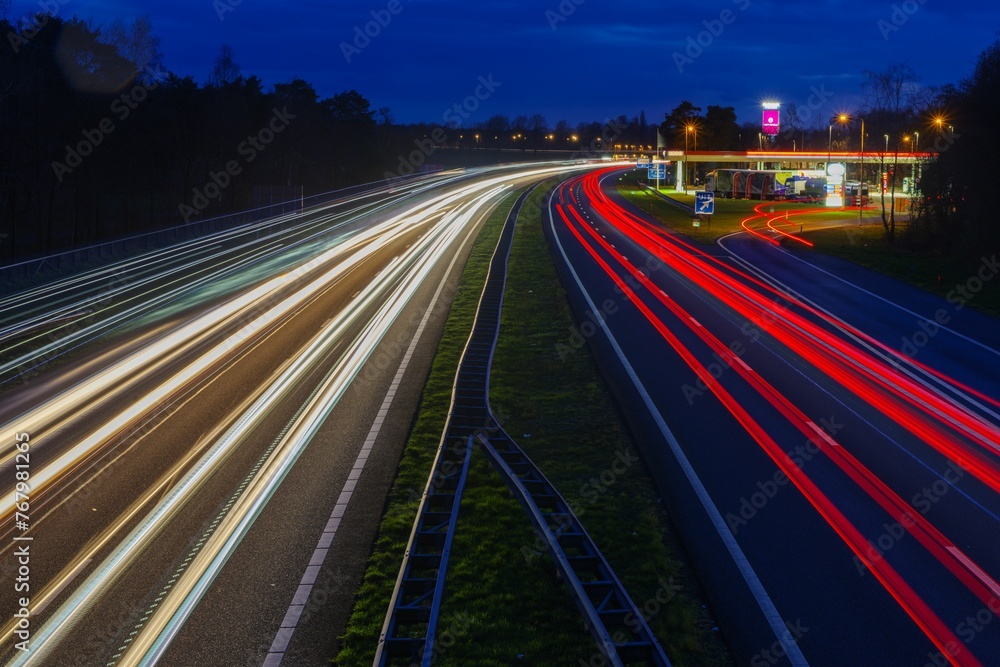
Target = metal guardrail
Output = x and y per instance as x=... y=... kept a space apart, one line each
x=113 y=249
x=409 y=632
x=617 y=624
x=670 y=200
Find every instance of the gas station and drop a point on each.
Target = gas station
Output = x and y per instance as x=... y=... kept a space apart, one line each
x=836 y=167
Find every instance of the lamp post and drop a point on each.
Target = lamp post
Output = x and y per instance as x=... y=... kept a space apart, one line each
x=916 y=161
x=688 y=129
x=687 y=165
x=885 y=174
x=861 y=179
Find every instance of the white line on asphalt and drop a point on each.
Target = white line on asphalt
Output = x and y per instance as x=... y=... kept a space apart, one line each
x=753 y=582
x=987 y=580
x=920 y=317
x=291 y=620
x=916 y=373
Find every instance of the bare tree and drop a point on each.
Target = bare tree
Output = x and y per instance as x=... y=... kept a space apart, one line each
x=225 y=70
x=891 y=95
x=137 y=44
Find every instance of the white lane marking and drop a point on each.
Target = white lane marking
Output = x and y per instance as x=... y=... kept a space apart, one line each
x=291 y=620
x=888 y=354
x=976 y=570
x=822 y=434
x=860 y=289
x=742 y=364
x=753 y=582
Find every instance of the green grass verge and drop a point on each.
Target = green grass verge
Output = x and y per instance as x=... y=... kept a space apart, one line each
x=361 y=636
x=558 y=408
x=504 y=604
x=939 y=274
x=729 y=213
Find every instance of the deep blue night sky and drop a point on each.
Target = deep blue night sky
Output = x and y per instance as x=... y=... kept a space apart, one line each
x=578 y=60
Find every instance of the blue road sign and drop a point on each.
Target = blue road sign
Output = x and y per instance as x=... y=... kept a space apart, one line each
x=704 y=203
x=658 y=170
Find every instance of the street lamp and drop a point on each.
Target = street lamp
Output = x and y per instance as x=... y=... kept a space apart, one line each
x=841 y=118
x=688 y=129
x=940 y=123
x=861 y=180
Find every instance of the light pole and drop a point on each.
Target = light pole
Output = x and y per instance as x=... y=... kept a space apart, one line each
x=690 y=128
x=885 y=157
x=687 y=161
x=861 y=179
x=916 y=161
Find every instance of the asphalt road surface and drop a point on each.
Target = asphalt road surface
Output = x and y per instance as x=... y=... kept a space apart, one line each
x=827 y=438
x=205 y=434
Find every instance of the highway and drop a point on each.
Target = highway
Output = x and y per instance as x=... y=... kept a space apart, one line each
x=827 y=439
x=204 y=435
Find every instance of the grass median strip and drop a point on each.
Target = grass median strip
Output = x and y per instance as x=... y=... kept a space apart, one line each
x=503 y=603
x=729 y=213
x=941 y=273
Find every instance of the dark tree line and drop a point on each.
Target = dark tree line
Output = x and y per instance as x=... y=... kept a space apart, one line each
x=98 y=141
x=959 y=205
x=500 y=137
